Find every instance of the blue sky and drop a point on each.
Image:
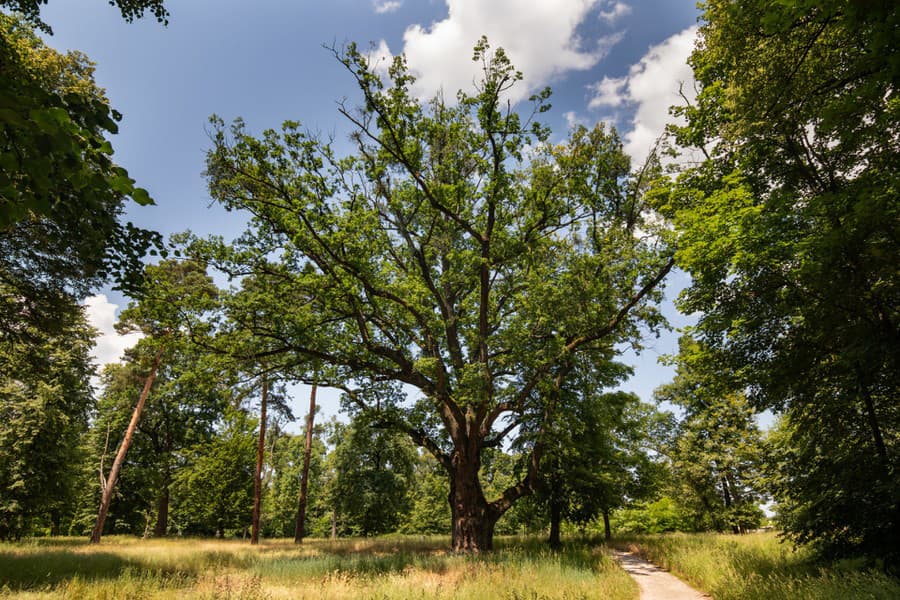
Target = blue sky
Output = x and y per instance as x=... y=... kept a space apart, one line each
x=620 y=61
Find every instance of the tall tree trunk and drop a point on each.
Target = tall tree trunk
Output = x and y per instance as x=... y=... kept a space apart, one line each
x=736 y=500
x=162 y=511
x=300 y=525
x=473 y=518
x=333 y=524
x=260 y=452
x=607 y=530
x=109 y=483
x=872 y=418
x=726 y=494
x=555 y=522
x=55 y=519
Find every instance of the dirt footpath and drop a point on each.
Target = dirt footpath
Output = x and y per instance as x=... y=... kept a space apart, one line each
x=655 y=583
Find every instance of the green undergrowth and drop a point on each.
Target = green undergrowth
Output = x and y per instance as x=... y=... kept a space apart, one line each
x=383 y=568
x=759 y=565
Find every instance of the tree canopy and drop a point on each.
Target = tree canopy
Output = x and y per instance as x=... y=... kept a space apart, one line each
x=61 y=195
x=130 y=9
x=789 y=230
x=456 y=251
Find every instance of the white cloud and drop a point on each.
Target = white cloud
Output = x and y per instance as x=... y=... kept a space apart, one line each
x=110 y=345
x=572 y=119
x=614 y=11
x=380 y=58
x=539 y=37
x=386 y=6
x=608 y=92
x=651 y=87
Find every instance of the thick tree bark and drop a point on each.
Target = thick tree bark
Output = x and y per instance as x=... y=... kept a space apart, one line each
x=109 y=484
x=162 y=512
x=607 y=530
x=300 y=525
x=473 y=518
x=260 y=452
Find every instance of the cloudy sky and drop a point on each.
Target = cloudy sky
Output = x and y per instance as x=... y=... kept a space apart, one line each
x=266 y=61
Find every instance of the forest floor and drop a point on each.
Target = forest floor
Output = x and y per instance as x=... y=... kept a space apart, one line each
x=385 y=568
x=656 y=583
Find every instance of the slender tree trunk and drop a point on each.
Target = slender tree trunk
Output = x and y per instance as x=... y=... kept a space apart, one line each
x=162 y=511
x=736 y=500
x=872 y=417
x=55 y=518
x=473 y=517
x=300 y=525
x=109 y=484
x=333 y=524
x=726 y=494
x=607 y=530
x=260 y=452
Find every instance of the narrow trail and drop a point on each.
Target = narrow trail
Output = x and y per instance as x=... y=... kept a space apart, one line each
x=656 y=583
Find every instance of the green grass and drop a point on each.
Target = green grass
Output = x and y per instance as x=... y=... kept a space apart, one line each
x=758 y=565
x=382 y=568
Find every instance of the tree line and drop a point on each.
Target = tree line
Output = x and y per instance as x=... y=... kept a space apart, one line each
x=468 y=282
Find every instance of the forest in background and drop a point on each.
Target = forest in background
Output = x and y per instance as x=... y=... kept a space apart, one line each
x=458 y=254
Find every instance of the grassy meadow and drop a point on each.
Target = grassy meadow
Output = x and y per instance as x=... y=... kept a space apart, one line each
x=383 y=568
x=758 y=565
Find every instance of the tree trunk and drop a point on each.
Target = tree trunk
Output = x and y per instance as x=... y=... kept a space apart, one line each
x=607 y=530
x=473 y=518
x=333 y=524
x=300 y=525
x=109 y=484
x=555 y=522
x=872 y=418
x=162 y=512
x=260 y=452
x=55 y=519
x=726 y=495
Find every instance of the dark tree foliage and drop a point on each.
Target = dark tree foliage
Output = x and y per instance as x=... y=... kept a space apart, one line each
x=61 y=195
x=131 y=10
x=187 y=399
x=214 y=489
x=45 y=400
x=790 y=230
x=372 y=484
x=593 y=461
x=429 y=512
x=717 y=451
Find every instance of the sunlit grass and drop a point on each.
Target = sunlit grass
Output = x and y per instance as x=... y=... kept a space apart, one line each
x=384 y=568
x=758 y=565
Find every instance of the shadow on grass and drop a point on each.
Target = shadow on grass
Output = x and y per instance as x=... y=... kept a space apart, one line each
x=48 y=568
x=382 y=557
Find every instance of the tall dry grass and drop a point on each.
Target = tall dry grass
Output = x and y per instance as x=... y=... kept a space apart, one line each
x=383 y=568
x=759 y=566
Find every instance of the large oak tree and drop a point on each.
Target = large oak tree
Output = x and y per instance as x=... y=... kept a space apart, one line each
x=456 y=252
